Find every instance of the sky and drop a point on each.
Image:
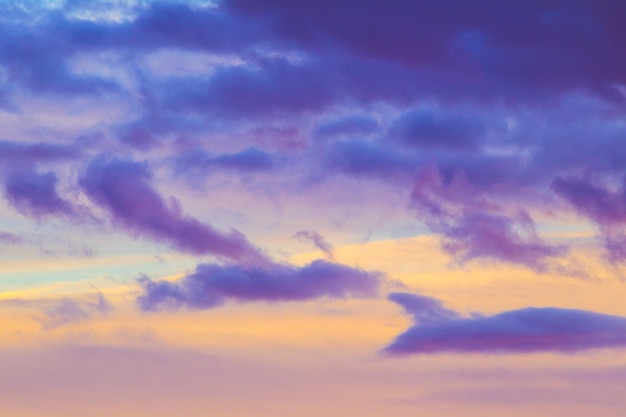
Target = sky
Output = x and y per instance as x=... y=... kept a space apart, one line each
x=286 y=208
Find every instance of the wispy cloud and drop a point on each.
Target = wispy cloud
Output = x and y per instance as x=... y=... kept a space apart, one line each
x=318 y=240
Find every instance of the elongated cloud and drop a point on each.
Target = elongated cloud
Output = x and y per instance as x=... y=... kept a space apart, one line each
x=124 y=188
x=211 y=285
x=528 y=330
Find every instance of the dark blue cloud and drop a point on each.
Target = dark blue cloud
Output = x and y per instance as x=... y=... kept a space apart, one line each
x=491 y=47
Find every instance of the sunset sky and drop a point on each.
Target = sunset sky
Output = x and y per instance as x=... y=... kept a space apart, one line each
x=281 y=208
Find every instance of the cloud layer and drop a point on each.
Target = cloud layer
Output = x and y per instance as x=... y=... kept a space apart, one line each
x=499 y=119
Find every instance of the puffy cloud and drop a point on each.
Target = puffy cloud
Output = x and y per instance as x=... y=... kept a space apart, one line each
x=528 y=330
x=211 y=285
x=35 y=194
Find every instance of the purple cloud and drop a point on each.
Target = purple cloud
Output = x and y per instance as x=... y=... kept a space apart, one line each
x=474 y=226
x=212 y=285
x=124 y=188
x=601 y=204
x=423 y=309
x=318 y=240
x=528 y=330
x=604 y=206
x=35 y=194
x=497 y=237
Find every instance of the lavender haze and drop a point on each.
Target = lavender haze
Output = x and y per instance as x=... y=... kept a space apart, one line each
x=192 y=158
